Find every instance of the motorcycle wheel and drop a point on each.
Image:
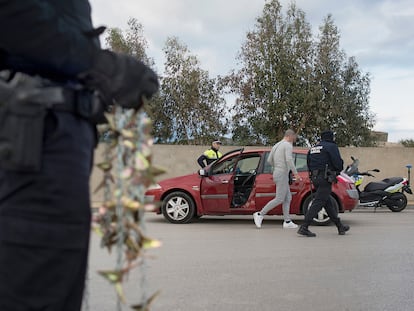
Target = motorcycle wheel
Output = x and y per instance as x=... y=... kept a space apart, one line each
x=396 y=202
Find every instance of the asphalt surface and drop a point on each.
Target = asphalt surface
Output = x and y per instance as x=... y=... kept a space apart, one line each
x=226 y=264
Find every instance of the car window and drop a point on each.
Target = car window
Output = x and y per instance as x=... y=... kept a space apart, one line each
x=300 y=163
x=224 y=167
x=248 y=165
x=267 y=169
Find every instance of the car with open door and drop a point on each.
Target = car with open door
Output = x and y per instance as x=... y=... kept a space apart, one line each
x=241 y=183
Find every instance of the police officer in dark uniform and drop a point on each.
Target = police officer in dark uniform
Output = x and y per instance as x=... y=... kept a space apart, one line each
x=55 y=82
x=324 y=163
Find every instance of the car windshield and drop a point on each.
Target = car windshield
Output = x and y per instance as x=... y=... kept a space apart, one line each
x=239 y=165
x=248 y=165
x=224 y=167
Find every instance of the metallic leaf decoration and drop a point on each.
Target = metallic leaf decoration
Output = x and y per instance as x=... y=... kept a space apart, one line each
x=127 y=171
x=145 y=307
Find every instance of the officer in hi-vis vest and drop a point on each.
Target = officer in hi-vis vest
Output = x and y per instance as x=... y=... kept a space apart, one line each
x=210 y=155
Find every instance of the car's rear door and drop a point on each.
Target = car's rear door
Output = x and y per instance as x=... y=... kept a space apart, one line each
x=266 y=188
x=299 y=187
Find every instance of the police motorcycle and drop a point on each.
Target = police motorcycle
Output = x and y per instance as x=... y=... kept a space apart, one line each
x=389 y=192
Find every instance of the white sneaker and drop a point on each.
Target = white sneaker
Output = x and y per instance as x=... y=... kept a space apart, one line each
x=289 y=225
x=257 y=219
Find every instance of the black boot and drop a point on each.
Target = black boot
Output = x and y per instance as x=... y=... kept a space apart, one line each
x=303 y=230
x=341 y=227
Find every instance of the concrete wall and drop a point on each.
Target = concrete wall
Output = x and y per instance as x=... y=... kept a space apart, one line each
x=179 y=160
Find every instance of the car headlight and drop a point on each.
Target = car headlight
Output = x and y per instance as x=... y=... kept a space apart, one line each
x=154 y=187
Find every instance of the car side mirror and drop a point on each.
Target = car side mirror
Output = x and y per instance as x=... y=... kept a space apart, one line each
x=202 y=172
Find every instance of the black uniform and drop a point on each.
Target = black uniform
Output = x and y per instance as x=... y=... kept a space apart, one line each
x=324 y=163
x=45 y=214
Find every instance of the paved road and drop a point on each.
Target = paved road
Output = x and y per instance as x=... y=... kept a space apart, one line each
x=226 y=264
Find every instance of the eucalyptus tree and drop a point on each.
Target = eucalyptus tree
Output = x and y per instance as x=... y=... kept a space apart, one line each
x=289 y=79
x=192 y=104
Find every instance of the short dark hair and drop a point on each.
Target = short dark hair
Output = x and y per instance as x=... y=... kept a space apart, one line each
x=327 y=135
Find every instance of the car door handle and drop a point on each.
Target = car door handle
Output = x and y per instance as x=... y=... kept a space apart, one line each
x=224 y=181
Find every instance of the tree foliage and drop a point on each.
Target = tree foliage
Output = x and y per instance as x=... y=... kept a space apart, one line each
x=342 y=91
x=189 y=106
x=274 y=62
x=133 y=42
x=407 y=142
x=290 y=80
x=191 y=102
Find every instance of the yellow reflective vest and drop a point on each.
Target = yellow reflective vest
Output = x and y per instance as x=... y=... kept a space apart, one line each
x=209 y=156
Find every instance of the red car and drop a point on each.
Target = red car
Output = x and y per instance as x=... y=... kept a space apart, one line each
x=241 y=183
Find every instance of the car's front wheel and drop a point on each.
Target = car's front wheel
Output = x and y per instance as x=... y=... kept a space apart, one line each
x=178 y=207
x=322 y=218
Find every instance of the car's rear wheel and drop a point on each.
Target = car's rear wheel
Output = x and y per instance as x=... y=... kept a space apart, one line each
x=322 y=219
x=178 y=207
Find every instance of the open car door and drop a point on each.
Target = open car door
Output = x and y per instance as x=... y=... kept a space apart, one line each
x=217 y=186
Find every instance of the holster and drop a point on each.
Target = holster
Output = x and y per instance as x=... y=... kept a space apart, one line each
x=21 y=136
x=24 y=101
x=330 y=175
x=21 y=123
x=327 y=174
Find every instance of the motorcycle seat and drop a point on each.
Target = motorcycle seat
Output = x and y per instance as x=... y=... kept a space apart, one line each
x=383 y=184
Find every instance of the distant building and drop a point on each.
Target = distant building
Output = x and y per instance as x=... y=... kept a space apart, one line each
x=380 y=138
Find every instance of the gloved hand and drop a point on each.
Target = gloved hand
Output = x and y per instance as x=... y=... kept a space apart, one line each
x=122 y=78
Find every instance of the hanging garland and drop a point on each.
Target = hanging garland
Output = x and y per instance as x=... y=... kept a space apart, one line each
x=120 y=219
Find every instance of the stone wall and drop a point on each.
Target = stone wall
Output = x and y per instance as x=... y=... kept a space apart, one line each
x=181 y=159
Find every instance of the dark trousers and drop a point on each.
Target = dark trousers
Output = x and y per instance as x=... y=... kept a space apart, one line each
x=322 y=199
x=41 y=278
x=45 y=222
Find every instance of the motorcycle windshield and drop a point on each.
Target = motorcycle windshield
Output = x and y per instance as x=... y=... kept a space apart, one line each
x=352 y=169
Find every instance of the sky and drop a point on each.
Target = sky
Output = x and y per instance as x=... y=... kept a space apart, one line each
x=378 y=33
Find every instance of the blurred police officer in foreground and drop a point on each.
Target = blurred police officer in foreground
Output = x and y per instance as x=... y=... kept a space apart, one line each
x=55 y=83
x=324 y=164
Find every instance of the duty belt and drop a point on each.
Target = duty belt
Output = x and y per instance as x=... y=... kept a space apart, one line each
x=80 y=102
x=25 y=88
x=317 y=172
